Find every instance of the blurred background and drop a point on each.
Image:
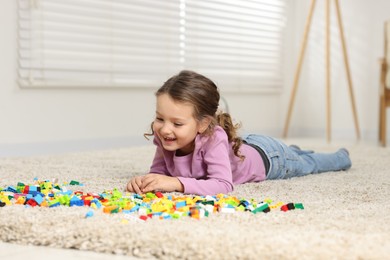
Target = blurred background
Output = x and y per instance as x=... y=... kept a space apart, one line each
x=81 y=75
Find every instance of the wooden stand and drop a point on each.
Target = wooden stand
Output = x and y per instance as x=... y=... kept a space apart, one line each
x=327 y=60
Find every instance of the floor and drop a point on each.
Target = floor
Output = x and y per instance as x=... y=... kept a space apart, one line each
x=13 y=251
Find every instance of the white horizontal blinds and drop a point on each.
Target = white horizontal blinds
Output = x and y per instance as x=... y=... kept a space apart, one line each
x=239 y=43
x=141 y=43
x=98 y=42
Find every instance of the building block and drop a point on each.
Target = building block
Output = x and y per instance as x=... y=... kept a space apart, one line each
x=149 y=205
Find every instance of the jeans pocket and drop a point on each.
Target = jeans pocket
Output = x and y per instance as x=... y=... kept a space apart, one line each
x=289 y=154
x=277 y=166
x=292 y=164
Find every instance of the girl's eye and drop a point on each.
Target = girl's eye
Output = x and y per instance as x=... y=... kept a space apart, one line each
x=159 y=119
x=178 y=124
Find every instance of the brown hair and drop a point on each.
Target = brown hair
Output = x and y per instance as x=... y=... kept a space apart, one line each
x=202 y=93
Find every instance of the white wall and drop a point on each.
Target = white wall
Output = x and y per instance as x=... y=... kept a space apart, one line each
x=363 y=28
x=59 y=120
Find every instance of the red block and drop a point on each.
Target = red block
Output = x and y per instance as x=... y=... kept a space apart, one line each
x=26 y=189
x=32 y=202
x=284 y=208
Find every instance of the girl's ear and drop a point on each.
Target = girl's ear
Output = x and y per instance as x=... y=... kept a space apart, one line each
x=204 y=124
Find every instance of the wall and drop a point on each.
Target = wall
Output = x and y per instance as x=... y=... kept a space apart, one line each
x=39 y=121
x=363 y=29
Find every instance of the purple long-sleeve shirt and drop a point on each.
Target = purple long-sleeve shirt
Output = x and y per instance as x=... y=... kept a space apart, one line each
x=212 y=168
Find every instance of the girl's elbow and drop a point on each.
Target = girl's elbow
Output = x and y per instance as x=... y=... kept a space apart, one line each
x=229 y=188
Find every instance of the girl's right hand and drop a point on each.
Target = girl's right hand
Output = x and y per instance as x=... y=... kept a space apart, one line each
x=134 y=185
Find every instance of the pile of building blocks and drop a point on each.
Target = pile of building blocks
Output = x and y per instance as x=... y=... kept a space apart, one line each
x=145 y=206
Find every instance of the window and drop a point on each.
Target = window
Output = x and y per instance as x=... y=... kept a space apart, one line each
x=140 y=43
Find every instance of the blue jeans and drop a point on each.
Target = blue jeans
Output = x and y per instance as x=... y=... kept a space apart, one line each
x=290 y=161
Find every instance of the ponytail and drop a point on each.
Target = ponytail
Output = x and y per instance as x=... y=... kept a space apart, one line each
x=225 y=121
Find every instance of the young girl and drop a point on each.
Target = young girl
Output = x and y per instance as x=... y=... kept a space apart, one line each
x=198 y=150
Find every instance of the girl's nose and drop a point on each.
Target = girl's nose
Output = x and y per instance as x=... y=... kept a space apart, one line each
x=165 y=129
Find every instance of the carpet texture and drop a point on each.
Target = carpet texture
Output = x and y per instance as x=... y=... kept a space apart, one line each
x=346 y=215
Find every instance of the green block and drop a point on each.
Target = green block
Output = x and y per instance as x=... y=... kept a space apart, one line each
x=232 y=202
x=298 y=206
x=116 y=210
x=20 y=187
x=241 y=207
x=175 y=216
x=208 y=202
x=150 y=195
x=64 y=200
x=72 y=182
x=54 y=201
x=261 y=208
x=116 y=194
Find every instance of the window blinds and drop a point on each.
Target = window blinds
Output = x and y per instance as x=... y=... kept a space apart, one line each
x=140 y=43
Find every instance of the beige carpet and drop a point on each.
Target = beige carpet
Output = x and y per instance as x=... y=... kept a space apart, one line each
x=346 y=215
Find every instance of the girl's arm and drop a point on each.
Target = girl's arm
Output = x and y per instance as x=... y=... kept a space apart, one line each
x=214 y=174
x=208 y=173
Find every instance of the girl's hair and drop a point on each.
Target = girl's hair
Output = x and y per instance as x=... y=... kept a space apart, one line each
x=202 y=93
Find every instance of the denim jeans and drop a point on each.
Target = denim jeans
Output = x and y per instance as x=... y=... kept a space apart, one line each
x=290 y=161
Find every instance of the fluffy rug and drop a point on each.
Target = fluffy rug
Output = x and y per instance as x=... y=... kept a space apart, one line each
x=346 y=215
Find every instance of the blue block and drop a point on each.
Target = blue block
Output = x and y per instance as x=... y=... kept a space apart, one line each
x=167 y=216
x=75 y=201
x=39 y=199
x=89 y=214
x=134 y=209
x=11 y=189
x=55 y=205
x=180 y=204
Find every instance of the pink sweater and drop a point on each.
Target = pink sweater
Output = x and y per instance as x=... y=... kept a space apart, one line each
x=212 y=168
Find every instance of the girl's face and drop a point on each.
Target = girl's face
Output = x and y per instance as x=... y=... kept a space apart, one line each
x=176 y=126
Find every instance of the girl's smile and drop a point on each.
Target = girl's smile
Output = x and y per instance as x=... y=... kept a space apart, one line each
x=168 y=141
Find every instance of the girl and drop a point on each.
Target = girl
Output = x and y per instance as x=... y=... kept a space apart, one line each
x=198 y=150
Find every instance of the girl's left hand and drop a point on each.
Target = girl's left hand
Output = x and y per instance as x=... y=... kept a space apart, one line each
x=153 y=182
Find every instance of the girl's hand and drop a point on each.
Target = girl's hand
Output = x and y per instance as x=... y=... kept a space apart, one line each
x=134 y=185
x=153 y=182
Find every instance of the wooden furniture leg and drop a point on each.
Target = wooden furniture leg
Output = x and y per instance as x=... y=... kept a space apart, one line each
x=327 y=70
x=347 y=69
x=299 y=66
